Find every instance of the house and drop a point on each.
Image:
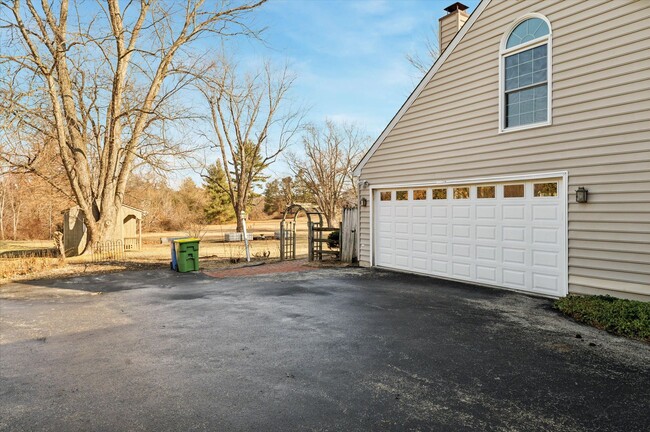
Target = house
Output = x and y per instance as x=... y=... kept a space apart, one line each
x=522 y=159
x=128 y=233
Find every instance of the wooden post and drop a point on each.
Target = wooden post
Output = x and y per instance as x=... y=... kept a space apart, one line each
x=139 y=234
x=282 y=241
x=294 y=241
x=310 y=241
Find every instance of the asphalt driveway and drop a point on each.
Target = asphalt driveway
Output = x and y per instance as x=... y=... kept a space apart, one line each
x=338 y=349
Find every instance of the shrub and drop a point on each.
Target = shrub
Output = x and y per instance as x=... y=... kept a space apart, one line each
x=333 y=239
x=622 y=317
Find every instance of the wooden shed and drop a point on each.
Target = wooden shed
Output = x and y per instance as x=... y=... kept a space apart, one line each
x=129 y=231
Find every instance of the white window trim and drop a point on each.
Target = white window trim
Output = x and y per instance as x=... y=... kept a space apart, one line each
x=503 y=52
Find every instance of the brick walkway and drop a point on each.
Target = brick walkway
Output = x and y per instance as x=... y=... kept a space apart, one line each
x=253 y=270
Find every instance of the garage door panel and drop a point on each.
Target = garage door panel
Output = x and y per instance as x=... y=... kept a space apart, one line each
x=439 y=229
x=420 y=264
x=512 y=213
x=385 y=211
x=419 y=246
x=401 y=212
x=419 y=228
x=461 y=231
x=486 y=213
x=514 y=234
x=488 y=253
x=515 y=242
x=439 y=211
x=486 y=274
x=486 y=232
x=548 y=235
x=385 y=258
x=461 y=250
x=545 y=212
x=402 y=244
x=461 y=212
x=401 y=228
x=385 y=227
x=516 y=278
x=439 y=248
x=461 y=270
x=420 y=211
x=545 y=282
x=514 y=256
x=402 y=261
x=546 y=259
x=440 y=267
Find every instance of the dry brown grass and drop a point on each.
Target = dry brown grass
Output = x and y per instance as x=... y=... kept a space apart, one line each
x=213 y=252
x=11 y=268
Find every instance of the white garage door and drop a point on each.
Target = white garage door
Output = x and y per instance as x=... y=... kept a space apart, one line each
x=510 y=235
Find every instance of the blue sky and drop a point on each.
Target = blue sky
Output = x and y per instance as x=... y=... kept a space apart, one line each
x=349 y=56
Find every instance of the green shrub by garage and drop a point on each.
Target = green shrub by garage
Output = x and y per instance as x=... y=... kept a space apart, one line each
x=629 y=318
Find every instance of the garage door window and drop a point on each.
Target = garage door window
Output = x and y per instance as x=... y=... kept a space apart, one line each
x=420 y=194
x=385 y=196
x=545 y=189
x=438 y=194
x=486 y=192
x=402 y=195
x=513 y=191
x=461 y=193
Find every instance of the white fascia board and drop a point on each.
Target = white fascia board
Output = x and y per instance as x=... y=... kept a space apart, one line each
x=423 y=83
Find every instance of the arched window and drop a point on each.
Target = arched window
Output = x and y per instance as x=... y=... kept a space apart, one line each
x=526 y=73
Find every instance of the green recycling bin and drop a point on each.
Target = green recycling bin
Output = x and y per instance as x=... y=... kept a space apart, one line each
x=187 y=254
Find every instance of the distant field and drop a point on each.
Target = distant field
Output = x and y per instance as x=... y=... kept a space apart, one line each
x=211 y=246
x=213 y=252
x=10 y=245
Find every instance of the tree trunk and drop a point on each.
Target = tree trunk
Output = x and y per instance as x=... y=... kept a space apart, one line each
x=2 y=217
x=240 y=205
x=15 y=222
x=101 y=226
x=328 y=219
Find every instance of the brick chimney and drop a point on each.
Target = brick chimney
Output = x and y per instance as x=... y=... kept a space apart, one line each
x=451 y=23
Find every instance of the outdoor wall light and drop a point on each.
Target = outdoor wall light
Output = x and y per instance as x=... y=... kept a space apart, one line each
x=582 y=195
x=364 y=202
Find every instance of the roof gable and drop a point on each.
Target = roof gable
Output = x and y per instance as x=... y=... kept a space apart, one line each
x=422 y=85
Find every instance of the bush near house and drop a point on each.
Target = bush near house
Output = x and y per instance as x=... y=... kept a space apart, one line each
x=627 y=318
x=334 y=239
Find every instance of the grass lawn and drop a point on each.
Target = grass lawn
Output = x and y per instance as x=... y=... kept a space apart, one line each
x=629 y=318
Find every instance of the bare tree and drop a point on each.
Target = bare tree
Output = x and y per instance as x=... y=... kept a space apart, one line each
x=98 y=81
x=250 y=125
x=423 y=62
x=330 y=154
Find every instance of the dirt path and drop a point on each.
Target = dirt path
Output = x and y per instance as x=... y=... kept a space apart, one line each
x=264 y=268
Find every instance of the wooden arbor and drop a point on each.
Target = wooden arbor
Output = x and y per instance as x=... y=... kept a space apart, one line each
x=315 y=231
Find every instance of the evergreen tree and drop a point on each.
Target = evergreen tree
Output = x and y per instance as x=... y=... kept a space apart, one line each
x=219 y=208
x=272 y=197
x=282 y=192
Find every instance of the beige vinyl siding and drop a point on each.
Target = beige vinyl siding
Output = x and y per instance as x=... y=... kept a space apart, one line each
x=599 y=134
x=448 y=29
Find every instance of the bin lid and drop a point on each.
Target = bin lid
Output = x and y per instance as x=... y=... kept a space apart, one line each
x=187 y=240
